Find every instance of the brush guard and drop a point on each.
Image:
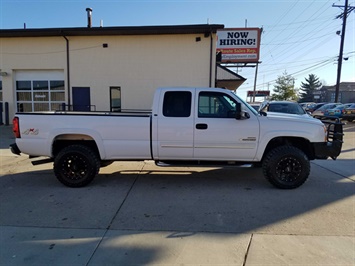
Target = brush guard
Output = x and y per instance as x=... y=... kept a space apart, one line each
x=332 y=147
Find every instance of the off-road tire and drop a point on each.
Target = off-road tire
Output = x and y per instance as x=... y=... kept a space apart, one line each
x=76 y=166
x=286 y=167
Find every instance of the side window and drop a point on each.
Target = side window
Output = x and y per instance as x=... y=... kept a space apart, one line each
x=0 y=90
x=177 y=104
x=215 y=104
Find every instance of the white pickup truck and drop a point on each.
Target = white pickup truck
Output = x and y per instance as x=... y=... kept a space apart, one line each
x=187 y=126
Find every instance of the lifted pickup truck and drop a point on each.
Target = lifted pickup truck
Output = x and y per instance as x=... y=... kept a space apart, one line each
x=194 y=126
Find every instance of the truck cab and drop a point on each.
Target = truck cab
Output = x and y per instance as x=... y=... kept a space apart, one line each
x=201 y=124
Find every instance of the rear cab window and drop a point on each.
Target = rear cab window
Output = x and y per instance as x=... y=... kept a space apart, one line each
x=177 y=104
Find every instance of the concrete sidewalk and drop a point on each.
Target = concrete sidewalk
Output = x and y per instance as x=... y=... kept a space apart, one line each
x=135 y=213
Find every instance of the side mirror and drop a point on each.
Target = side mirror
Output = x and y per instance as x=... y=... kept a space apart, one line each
x=238 y=111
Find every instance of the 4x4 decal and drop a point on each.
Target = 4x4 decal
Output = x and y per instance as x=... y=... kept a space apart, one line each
x=31 y=131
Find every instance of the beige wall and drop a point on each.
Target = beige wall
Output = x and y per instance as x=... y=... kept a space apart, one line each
x=32 y=54
x=137 y=64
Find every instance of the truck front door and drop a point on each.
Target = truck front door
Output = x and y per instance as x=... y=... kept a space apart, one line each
x=217 y=134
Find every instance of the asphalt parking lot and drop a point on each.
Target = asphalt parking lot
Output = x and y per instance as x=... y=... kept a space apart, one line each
x=135 y=213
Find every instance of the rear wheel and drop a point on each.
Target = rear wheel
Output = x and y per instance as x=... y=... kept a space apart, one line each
x=76 y=166
x=286 y=167
x=350 y=119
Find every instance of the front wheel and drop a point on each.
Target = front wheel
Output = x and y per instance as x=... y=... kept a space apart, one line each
x=76 y=165
x=286 y=167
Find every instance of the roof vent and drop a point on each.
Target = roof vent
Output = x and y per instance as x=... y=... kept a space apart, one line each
x=89 y=11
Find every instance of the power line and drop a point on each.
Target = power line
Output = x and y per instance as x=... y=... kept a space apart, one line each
x=306 y=23
x=318 y=65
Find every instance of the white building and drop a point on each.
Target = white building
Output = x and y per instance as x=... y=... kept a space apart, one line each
x=104 y=68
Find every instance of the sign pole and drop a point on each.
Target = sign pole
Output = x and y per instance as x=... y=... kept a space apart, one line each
x=256 y=76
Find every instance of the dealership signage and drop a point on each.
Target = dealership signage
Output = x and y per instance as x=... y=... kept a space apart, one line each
x=258 y=93
x=240 y=45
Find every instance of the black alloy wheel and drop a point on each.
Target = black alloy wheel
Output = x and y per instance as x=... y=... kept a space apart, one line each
x=76 y=166
x=286 y=167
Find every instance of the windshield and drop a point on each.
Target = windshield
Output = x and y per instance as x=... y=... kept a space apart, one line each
x=246 y=107
x=282 y=107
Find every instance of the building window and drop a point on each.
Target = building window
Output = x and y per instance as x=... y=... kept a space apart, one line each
x=39 y=95
x=0 y=90
x=332 y=97
x=115 y=99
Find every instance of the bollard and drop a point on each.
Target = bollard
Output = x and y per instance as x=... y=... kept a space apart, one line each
x=6 y=113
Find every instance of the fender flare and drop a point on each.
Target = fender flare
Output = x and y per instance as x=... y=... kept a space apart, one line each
x=76 y=131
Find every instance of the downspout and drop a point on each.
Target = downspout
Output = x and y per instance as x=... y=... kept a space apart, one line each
x=68 y=70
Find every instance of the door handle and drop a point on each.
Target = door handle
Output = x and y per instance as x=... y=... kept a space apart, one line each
x=201 y=126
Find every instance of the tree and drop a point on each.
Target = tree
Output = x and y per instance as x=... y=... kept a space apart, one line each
x=312 y=84
x=285 y=88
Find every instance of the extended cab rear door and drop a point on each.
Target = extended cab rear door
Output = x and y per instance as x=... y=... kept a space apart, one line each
x=172 y=131
x=217 y=134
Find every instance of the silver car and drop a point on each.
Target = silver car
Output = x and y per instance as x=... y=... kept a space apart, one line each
x=286 y=107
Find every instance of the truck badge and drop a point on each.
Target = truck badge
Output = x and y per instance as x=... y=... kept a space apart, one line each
x=31 y=131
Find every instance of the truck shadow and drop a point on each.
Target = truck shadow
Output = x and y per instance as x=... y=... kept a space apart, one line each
x=234 y=200
x=179 y=202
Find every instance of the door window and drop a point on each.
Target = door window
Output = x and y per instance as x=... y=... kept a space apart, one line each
x=0 y=90
x=115 y=99
x=216 y=105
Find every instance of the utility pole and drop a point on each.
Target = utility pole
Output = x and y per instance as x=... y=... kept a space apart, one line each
x=256 y=75
x=344 y=15
x=256 y=70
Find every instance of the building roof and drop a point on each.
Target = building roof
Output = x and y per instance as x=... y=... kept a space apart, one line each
x=97 y=31
x=227 y=78
x=343 y=86
x=223 y=73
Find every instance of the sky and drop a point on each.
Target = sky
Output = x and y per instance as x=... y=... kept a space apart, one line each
x=299 y=36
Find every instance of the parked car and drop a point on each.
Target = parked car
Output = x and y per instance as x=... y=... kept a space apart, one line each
x=282 y=107
x=306 y=105
x=319 y=113
x=255 y=106
x=337 y=111
x=349 y=113
x=314 y=107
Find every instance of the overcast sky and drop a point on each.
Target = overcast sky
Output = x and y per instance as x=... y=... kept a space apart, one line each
x=299 y=37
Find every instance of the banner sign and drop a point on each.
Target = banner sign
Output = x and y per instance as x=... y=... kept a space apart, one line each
x=258 y=93
x=240 y=45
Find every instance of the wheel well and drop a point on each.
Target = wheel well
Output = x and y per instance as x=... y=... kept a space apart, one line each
x=62 y=141
x=300 y=143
